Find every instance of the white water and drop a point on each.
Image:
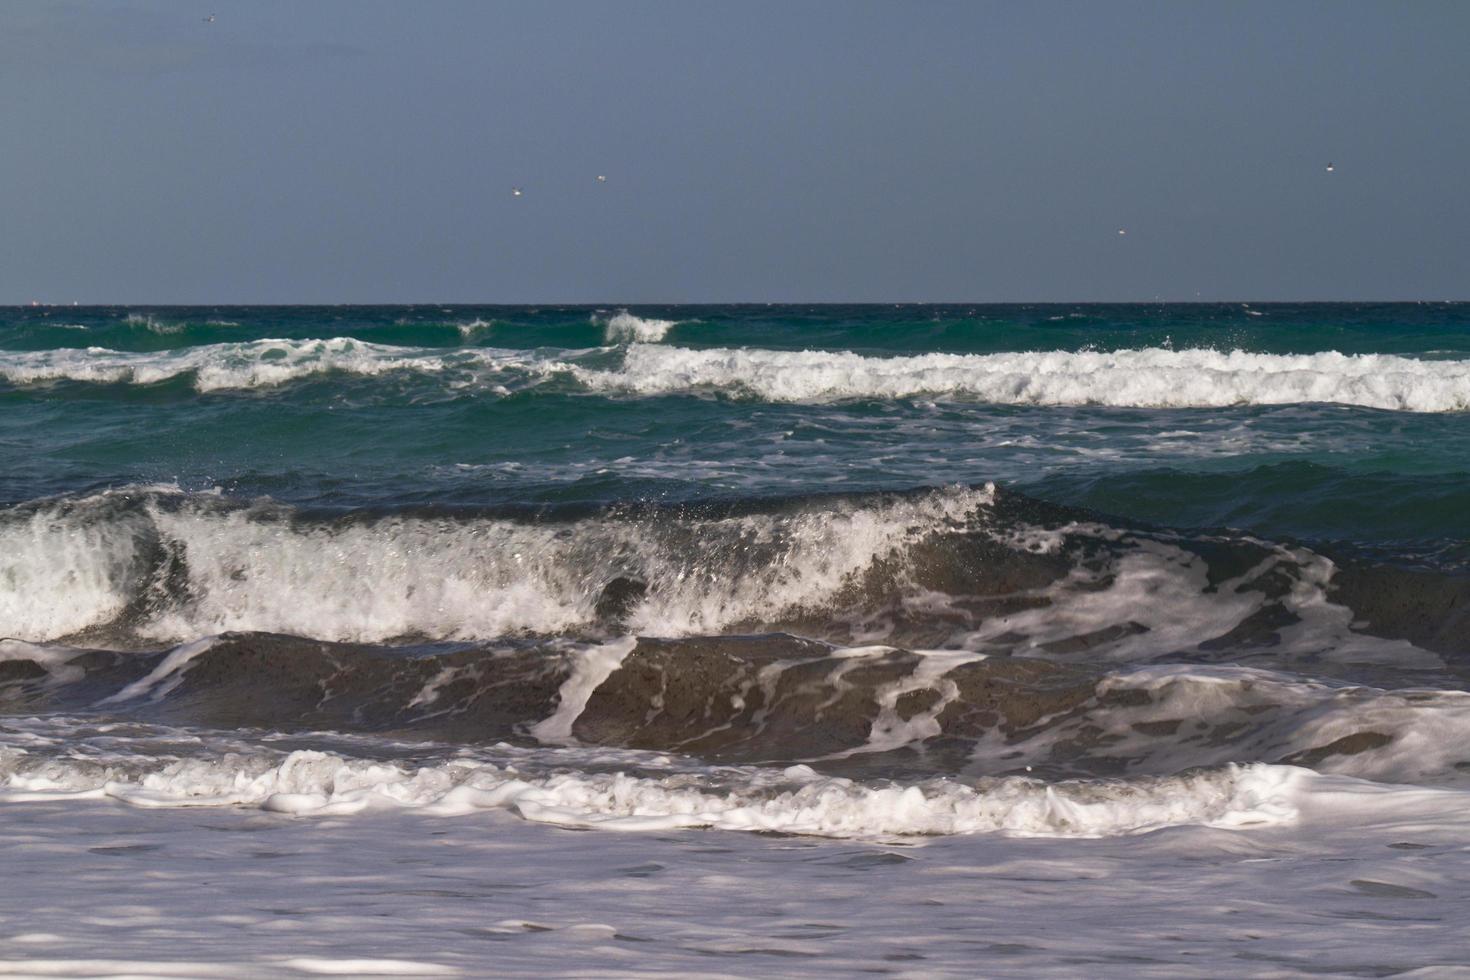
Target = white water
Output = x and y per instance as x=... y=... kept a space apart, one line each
x=74 y=565
x=153 y=325
x=593 y=666
x=1197 y=715
x=54 y=660
x=1146 y=378
x=138 y=861
x=474 y=328
x=1149 y=378
x=78 y=564
x=55 y=758
x=623 y=327
x=1368 y=883
x=167 y=675
x=255 y=364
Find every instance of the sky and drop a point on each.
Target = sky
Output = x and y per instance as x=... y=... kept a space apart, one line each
x=365 y=151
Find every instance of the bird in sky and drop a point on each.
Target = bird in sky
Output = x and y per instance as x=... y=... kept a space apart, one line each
x=1122 y=231
x=1330 y=168
x=601 y=179
x=209 y=19
x=515 y=192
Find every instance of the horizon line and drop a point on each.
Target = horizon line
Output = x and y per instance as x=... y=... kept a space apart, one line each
x=36 y=304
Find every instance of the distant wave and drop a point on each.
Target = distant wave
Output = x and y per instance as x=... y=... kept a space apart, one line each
x=251 y=364
x=152 y=324
x=472 y=328
x=1148 y=378
x=623 y=327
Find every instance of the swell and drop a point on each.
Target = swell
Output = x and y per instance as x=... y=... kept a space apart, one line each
x=1276 y=328
x=1412 y=517
x=154 y=330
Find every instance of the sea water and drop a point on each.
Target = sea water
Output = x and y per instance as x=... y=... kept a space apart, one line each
x=921 y=640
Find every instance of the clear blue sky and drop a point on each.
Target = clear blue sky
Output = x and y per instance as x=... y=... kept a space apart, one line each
x=365 y=151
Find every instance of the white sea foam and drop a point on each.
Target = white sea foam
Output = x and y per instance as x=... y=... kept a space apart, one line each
x=167 y=675
x=168 y=567
x=153 y=325
x=798 y=801
x=1209 y=715
x=890 y=729
x=55 y=660
x=116 y=890
x=1149 y=378
x=623 y=327
x=68 y=566
x=80 y=564
x=253 y=364
x=1155 y=599
x=473 y=328
x=593 y=666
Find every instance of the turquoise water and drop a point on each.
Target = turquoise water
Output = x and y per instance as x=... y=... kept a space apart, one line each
x=492 y=434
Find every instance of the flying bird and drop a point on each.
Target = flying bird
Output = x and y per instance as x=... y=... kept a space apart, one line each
x=209 y=19
x=515 y=192
x=1122 y=231
x=601 y=179
x=1330 y=168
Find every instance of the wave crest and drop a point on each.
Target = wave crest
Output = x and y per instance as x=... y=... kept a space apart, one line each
x=177 y=567
x=623 y=328
x=1148 y=378
x=261 y=363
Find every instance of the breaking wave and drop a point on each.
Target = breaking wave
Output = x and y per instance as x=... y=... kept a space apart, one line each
x=153 y=325
x=624 y=328
x=961 y=569
x=261 y=363
x=1149 y=378
x=174 y=566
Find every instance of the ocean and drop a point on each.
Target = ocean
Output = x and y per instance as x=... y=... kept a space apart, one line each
x=920 y=640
